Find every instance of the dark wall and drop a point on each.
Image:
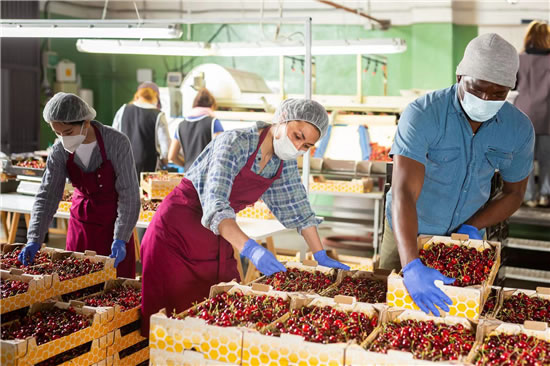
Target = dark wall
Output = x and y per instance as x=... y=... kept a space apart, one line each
x=20 y=64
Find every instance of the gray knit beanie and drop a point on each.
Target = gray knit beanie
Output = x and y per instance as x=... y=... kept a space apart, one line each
x=491 y=58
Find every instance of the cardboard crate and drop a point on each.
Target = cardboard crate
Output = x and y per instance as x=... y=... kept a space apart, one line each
x=36 y=292
x=486 y=328
x=467 y=301
x=146 y=216
x=120 y=342
x=21 y=352
x=491 y=313
x=132 y=360
x=9 y=248
x=258 y=210
x=354 y=186
x=158 y=185
x=307 y=266
x=115 y=317
x=287 y=255
x=98 y=352
x=354 y=262
x=358 y=355
x=289 y=349
x=214 y=342
x=64 y=206
x=380 y=275
x=185 y=358
x=505 y=293
x=64 y=287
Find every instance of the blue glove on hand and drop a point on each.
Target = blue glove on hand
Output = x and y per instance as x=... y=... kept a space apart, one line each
x=323 y=259
x=118 y=251
x=470 y=230
x=262 y=258
x=27 y=254
x=419 y=281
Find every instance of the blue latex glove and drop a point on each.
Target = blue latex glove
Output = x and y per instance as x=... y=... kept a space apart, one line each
x=323 y=259
x=118 y=251
x=27 y=254
x=262 y=258
x=470 y=230
x=419 y=281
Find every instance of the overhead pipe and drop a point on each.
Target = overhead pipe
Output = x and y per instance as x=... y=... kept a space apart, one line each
x=384 y=23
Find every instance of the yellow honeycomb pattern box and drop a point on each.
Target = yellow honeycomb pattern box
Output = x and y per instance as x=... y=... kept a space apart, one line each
x=36 y=292
x=486 y=328
x=289 y=349
x=64 y=206
x=258 y=210
x=186 y=358
x=354 y=186
x=146 y=216
x=21 y=352
x=114 y=315
x=120 y=342
x=158 y=185
x=98 y=352
x=358 y=355
x=467 y=301
x=287 y=255
x=216 y=343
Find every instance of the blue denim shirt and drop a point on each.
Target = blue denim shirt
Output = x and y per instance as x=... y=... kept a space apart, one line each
x=459 y=165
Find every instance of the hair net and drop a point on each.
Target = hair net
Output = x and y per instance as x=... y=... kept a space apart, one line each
x=154 y=87
x=303 y=110
x=67 y=107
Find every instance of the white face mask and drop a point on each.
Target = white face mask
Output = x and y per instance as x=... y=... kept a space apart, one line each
x=479 y=110
x=71 y=143
x=283 y=146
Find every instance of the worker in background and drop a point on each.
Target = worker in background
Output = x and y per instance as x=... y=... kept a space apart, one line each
x=196 y=131
x=534 y=100
x=146 y=127
x=448 y=145
x=98 y=161
x=189 y=244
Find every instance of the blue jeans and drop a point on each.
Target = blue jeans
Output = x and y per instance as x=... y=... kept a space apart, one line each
x=542 y=155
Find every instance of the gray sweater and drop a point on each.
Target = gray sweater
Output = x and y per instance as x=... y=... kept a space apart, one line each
x=534 y=88
x=119 y=152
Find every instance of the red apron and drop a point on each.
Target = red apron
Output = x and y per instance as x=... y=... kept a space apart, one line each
x=181 y=258
x=94 y=211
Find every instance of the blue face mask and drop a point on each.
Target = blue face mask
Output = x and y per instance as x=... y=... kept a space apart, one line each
x=479 y=110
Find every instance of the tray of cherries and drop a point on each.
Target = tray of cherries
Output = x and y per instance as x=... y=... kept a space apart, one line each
x=513 y=349
x=368 y=287
x=31 y=167
x=307 y=277
x=518 y=306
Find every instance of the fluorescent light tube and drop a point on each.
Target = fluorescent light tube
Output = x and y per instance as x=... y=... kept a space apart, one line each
x=241 y=49
x=53 y=30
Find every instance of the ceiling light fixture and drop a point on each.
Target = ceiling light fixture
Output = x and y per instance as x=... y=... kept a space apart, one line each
x=43 y=28
x=240 y=49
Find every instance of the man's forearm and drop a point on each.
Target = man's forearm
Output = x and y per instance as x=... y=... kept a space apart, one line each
x=405 y=228
x=497 y=210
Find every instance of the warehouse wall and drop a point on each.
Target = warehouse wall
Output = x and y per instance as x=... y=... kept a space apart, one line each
x=433 y=52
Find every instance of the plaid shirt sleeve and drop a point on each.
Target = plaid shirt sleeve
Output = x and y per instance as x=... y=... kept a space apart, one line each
x=222 y=160
x=287 y=199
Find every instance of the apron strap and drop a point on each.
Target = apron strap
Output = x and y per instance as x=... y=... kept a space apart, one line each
x=100 y=144
x=252 y=157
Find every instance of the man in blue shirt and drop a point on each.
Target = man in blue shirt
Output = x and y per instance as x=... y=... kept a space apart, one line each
x=448 y=145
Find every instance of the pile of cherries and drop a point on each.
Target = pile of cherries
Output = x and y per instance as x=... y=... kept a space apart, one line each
x=520 y=307
x=67 y=268
x=47 y=325
x=12 y=288
x=150 y=205
x=125 y=297
x=363 y=289
x=513 y=349
x=237 y=309
x=296 y=280
x=9 y=260
x=326 y=325
x=31 y=163
x=467 y=265
x=426 y=340
x=491 y=302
